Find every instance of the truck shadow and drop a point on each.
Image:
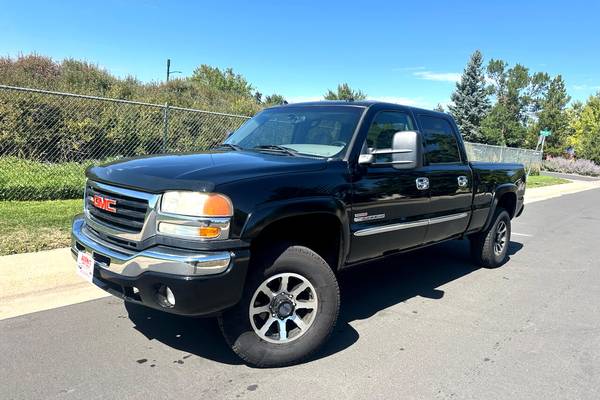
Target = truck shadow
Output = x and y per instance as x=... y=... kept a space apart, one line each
x=366 y=290
x=371 y=288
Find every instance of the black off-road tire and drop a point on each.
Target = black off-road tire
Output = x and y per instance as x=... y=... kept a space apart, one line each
x=483 y=243
x=235 y=322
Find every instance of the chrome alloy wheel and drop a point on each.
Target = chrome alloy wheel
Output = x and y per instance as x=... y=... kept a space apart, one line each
x=283 y=308
x=501 y=238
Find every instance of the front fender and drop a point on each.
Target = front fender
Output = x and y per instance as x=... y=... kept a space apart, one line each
x=275 y=211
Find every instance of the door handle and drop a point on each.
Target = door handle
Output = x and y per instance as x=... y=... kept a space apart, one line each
x=463 y=181
x=422 y=183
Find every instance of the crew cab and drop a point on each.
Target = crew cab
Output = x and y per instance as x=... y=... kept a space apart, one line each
x=257 y=230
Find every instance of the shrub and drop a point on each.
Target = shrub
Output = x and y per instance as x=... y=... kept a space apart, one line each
x=571 y=166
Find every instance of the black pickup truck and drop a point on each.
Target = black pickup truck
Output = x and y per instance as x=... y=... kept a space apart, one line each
x=256 y=230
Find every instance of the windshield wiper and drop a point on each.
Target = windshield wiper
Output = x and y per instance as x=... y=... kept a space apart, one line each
x=274 y=147
x=229 y=146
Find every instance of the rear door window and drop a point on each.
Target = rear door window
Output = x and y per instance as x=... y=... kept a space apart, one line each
x=439 y=140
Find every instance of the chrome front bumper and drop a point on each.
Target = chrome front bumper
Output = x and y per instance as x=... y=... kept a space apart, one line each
x=159 y=259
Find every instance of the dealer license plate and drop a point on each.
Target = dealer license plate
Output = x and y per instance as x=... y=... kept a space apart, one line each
x=85 y=266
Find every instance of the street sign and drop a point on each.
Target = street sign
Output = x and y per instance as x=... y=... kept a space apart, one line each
x=545 y=133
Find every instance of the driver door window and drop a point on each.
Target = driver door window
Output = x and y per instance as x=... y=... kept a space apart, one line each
x=382 y=130
x=385 y=124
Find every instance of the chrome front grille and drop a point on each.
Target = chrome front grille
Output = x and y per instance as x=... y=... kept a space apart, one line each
x=130 y=215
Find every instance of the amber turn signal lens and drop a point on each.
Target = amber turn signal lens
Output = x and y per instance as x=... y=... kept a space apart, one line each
x=217 y=205
x=209 y=232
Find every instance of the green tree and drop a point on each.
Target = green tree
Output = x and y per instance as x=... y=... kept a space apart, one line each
x=586 y=127
x=439 y=108
x=470 y=100
x=506 y=121
x=497 y=122
x=552 y=115
x=574 y=117
x=345 y=92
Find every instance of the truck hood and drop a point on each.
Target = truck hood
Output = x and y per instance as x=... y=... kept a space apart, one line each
x=198 y=171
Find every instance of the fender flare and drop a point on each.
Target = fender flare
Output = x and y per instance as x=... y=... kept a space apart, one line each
x=500 y=191
x=273 y=212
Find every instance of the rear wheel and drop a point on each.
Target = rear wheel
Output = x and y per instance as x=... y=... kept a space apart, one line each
x=490 y=247
x=288 y=310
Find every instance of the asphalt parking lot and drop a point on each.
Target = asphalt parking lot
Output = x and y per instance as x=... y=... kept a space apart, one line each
x=423 y=325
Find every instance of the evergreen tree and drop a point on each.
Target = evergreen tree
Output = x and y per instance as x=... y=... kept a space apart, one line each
x=439 y=108
x=470 y=102
x=345 y=92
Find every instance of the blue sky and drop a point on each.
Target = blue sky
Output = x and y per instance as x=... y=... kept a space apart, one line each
x=408 y=52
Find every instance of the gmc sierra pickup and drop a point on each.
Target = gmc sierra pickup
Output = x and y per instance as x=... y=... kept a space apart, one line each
x=256 y=230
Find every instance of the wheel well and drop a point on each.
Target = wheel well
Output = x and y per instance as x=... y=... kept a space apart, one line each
x=508 y=201
x=322 y=233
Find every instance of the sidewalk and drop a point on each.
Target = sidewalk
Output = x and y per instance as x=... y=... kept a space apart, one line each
x=550 y=192
x=40 y=281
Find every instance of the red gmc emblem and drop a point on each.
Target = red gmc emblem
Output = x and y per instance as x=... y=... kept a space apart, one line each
x=105 y=204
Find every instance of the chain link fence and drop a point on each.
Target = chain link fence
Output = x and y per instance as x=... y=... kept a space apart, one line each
x=48 y=139
x=532 y=159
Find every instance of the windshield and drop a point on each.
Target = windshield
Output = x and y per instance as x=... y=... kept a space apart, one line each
x=322 y=131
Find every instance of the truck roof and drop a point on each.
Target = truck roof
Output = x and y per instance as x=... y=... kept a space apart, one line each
x=358 y=103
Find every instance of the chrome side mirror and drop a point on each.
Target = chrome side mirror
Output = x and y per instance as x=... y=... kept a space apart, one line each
x=366 y=158
x=405 y=147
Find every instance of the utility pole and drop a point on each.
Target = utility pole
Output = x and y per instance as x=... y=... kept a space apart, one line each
x=169 y=72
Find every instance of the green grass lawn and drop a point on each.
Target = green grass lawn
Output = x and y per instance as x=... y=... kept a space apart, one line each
x=30 y=180
x=534 y=181
x=27 y=226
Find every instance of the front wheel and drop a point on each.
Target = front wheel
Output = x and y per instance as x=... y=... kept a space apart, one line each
x=288 y=310
x=490 y=247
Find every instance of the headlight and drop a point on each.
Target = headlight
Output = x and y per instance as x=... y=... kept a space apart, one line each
x=195 y=215
x=196 y=204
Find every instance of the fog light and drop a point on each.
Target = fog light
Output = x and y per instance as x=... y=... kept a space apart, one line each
x=165 y=296
x=170 y=297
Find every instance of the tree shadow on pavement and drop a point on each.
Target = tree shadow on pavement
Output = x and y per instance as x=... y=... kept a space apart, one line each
x=366 y=290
